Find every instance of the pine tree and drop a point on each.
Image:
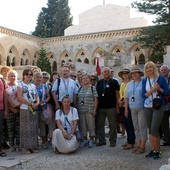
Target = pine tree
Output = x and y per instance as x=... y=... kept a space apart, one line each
x=158 y=36
x=43 y=62
x=53 y=20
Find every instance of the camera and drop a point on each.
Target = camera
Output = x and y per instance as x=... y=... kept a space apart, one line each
x=42 y=104
x=133 y=99
x=65 y=129
x=82 y=103
x=122 y=99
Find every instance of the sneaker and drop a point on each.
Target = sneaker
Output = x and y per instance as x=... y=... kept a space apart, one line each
x=151 y=154
x=157 y=155
x=90 y=144
x=82 y=144
x=12 y=149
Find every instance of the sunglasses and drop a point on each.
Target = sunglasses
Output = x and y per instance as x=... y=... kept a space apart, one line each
x=73 y=76
x=28 y=74
x=93 y=79
x=45 y=77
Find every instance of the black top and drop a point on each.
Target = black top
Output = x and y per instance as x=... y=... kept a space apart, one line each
x=107 y=93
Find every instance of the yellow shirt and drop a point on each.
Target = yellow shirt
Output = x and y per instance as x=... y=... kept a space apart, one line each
x=122 y=91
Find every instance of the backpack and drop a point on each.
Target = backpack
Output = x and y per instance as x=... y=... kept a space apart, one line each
x=58 y=84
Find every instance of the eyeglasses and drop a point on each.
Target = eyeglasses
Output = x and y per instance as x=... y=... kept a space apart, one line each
x=73 y=76
x=45 y=77
x=28 y=74
x=93 y=79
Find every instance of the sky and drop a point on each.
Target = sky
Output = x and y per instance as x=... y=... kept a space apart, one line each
x=21 y=15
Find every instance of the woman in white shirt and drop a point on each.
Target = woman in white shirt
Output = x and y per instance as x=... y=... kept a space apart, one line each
x=64 y=139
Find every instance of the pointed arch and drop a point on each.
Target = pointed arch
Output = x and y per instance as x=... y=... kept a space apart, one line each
x=54 y=68
x=65 y=56
x=13 y=52
x=138 y=54
x=82 y=55
x=99 y=52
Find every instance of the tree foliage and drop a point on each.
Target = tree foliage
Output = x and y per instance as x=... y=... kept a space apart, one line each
x=158 y=36
x=53 y=19
x=43 y=62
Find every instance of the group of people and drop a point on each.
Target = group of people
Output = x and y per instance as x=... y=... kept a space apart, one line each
x=78 y=102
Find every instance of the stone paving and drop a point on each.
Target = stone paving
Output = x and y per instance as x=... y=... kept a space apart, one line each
x=96 y=158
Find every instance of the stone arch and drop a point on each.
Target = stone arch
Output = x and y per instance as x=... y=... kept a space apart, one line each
x=22 y=61
x=81 y=55
x=52 y=59
x=65 y=56
x=100 y=53
x=13 y=61
x=54 y=68
x=36 y=55
x=8 y=61
x=141 y=59
x=117 y=50
x=26 y=56
x=138 y=54
x=26 y=62
x=33 y=62
x=116 y=56
x=62 y=62
x=13 y=52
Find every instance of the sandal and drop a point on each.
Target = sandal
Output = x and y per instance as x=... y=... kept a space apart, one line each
x=129 y=146
x=33 y=150
x=27 y=151
x=135 y=149
x=44 y=146
x=57 y=151
x=124 y=145
x=2 y=154
x=140 y=151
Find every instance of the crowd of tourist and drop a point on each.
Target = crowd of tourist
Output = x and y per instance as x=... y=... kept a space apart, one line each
x=57 y=108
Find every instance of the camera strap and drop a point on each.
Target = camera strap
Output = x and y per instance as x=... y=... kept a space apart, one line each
x=152 y=87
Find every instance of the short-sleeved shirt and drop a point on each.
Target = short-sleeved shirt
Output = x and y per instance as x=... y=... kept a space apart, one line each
x=28 y=93
x=107 y=93
x=66 y=87
x=71 y=116
x=134 y=89
x=86 y=99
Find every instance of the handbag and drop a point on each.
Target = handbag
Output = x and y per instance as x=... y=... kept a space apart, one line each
x=79 y=136
x=157 y=103
x=44 y=115
x=49 y=110
x=13 y=101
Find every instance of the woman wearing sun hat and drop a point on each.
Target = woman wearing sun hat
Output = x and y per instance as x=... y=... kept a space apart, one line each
x=127 y=120
x=134 y=101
